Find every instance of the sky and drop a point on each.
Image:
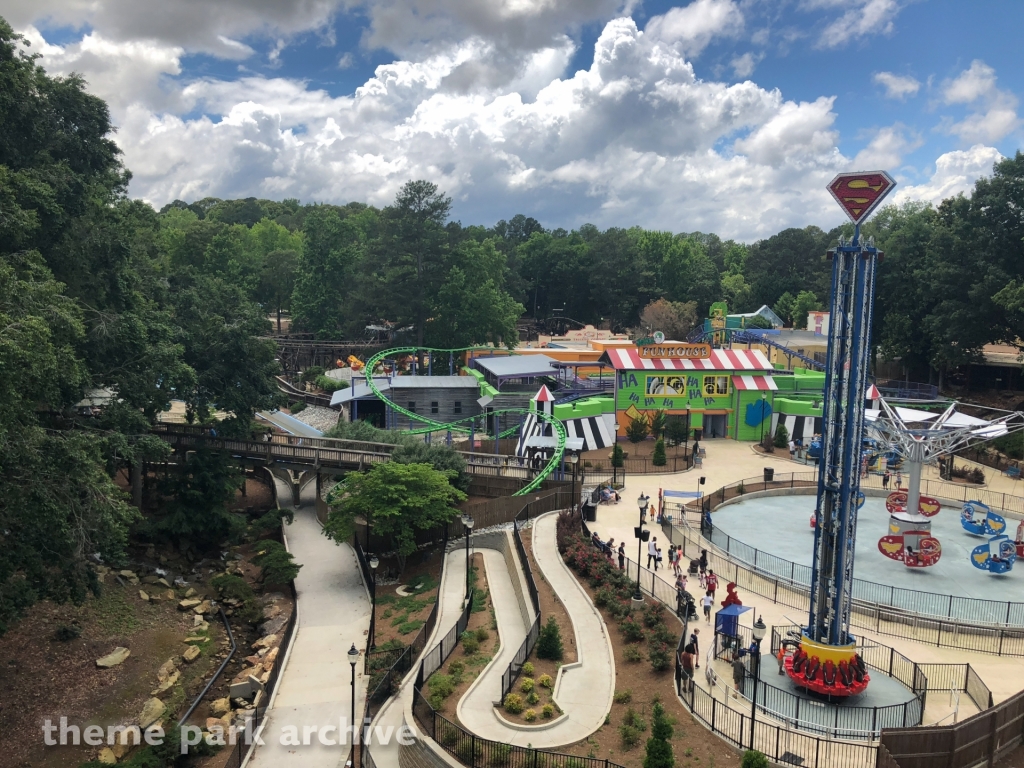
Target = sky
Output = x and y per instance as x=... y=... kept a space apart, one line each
x=725 y=116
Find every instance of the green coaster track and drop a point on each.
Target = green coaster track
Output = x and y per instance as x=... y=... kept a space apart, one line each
x=456 y=426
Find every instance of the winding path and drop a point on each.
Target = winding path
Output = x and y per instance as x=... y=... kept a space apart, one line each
x=315 y=684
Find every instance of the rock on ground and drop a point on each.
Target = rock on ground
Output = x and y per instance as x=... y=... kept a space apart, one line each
x=112 y=659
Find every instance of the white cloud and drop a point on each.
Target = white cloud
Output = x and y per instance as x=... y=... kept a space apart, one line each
x=635 y=138
x=955 y=173
x=897 y=86
x=976 y=82
x=691 y=28
x=996 y=115
x=346 y=61
x=743 y=66
x=869 y=17
x=886 y=149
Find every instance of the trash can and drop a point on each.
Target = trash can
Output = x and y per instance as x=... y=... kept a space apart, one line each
x=769 y=474
x=590 y=513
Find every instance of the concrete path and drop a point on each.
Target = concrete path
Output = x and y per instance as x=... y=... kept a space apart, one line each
x=453 y=590
x=314 y=689
x=476 y=707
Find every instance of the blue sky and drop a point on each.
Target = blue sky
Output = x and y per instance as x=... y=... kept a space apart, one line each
x=720 y=115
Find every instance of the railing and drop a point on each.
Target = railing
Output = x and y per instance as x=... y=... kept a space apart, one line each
x=370 y=581
x=220 y=669
x=866 y=594
x=560 y=500
x=981 y=739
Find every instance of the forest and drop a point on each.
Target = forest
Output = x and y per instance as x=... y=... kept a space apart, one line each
x=99 y=290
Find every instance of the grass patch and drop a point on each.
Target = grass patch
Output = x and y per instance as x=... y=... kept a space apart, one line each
x=410 y=626
x=113 y=614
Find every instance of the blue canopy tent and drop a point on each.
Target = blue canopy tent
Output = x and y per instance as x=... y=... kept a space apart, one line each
x=727 y=627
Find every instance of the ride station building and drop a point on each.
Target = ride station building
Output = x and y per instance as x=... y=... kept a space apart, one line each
x=722 y=392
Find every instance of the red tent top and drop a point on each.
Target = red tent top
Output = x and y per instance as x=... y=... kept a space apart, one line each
x=544 y=395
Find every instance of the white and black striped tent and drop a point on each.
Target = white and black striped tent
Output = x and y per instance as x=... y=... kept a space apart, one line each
x=798 y=427
x=595 y=431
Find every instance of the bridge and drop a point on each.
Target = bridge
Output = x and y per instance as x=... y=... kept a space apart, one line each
x=326 y=455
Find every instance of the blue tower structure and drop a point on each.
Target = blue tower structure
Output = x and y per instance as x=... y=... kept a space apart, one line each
x=826 y=660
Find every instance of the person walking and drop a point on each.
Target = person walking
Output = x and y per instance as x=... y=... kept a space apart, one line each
x=739 y=671
x=885 y=480
x=622 y=556
x=712 y=584
x=899 y=481
x=706 y=602
x=652 y=551
x=696 y=647
x=657 y=559
x=703 y=565
x=686 y=660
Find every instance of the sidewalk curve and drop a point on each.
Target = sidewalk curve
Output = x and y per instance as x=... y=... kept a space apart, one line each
x=315 y=685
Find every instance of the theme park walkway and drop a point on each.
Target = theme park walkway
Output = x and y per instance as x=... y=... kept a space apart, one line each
x=333 y=613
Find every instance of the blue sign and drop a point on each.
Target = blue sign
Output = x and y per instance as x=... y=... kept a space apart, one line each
x=758 y=411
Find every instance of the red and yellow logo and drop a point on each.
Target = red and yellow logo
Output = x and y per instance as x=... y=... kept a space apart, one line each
x=859 y=193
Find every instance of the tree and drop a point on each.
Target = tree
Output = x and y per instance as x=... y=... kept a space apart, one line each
x=277 y=281
x=785 y=308
x=397 y=500
x=549 y=641
x=618 y=460
x=198 y=489
x=440 y=457
x=674 y=319
x=659 y=459
x=789 y=262
x=805 y=302
x=659 y=749
x=657 y=424
x=781 y=436
x=638 y=430
x=277 y=564
x=676 y=430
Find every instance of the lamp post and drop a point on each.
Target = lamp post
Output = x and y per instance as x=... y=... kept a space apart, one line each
x=764 y=399
x=467 y=521
x=353 y=657
x=374 y=562
x=755 y=665
x=573 y=461
x=641 y=502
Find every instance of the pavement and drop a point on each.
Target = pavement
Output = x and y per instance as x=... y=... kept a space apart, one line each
x=314 y=689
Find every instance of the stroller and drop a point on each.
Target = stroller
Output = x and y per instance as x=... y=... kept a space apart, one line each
x=694 y=567
x=686 y=607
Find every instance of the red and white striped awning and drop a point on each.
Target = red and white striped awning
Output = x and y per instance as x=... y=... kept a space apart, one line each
x=754 y=382
x=720 y=360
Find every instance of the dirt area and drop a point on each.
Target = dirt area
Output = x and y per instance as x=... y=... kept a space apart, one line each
x=638 y=688
x=258 y=497
x=448 y=685
x=46 y=678
x=1013 y=760
x=400 y=617
x=602 y=458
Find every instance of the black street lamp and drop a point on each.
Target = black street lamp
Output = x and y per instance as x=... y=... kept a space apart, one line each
x=573 y=461
x=764 y=400
x=467 y=521
x=353 y=657
x=758 y=632
x=641 y=502
x=374 y=562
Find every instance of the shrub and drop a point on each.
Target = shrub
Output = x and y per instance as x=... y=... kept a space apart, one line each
x=659 y=656
x=741 y=489
x=659 y=459
x=231 y=586
x=513 y=703
x=470 y=750
x=567 y=529
x=528 y=669
x=635 y=719
x=67 y=632
x=547 y=711
x=470 y=644
x=623 y=697
x=297 y=407
x=544 y=681
x=530 y=715
x=436 y=701
x=654 y=614
x=532 y=698
x=500 y=754
x=277 y=566
x=637 y=430
x=549 y=645
x=312 y=372
x=617 y=458
x=632 y=630
x=631 y=653
x=619 y=609
x=630 y=736
x=447 y=733
x=781 y=436
x=456 y=670
x=482 y=634
x=754 y=759
x=441 y=685
x=659 y=751
x=526 y=685
x=327 y=384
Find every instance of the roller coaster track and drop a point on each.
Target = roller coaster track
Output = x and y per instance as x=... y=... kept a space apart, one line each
x=439 y=426
x=748 y=337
